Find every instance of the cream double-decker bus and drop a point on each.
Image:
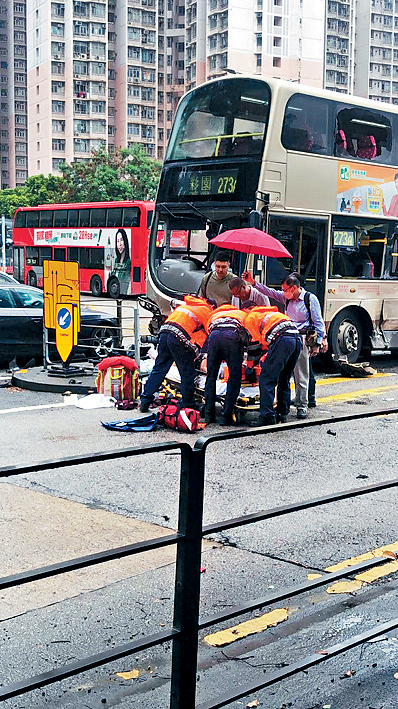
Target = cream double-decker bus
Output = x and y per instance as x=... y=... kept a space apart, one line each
x=317 y=170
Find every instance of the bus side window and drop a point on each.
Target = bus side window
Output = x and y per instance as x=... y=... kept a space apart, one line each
x=73 y=218
x=60 y=218
x=394 y=259
x=114 y=217
x=46 y=218
x=73 y=253
x=149 y=218
x=97 y=217
x=131 y=216
x=20 y=219
x=32 y=255
x=84 y=217
x=45 y=254
x=32 y=220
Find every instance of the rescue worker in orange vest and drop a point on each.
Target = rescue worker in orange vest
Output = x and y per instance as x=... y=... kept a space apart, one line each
x=227 y=340
x=181 y=338
x=281 y=340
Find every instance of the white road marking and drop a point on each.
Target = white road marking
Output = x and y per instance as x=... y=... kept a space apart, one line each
x=68 y=401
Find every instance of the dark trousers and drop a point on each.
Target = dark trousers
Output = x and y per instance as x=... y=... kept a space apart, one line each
x=224 y=344
x=171 y=349
x=276 y=371
x=311 y=385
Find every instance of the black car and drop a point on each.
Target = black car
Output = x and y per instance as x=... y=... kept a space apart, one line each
x=21 y=326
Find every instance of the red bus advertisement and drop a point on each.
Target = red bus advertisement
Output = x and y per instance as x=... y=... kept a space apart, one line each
x=109 y=240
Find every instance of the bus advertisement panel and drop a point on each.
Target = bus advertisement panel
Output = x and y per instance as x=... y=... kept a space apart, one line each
x=367 y=189
x=315 y=169
x=109 y=243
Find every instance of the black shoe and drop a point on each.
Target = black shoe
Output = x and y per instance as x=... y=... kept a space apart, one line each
x=144 y=407
x=264 y=421
x=227 y=420
x=302 y=413
x=312 y=404
x=281 y=418
x=209 y=416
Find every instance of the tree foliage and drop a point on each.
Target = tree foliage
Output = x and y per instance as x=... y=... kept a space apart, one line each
x=125 y=174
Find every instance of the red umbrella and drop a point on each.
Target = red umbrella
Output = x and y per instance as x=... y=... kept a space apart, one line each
x=251 y=241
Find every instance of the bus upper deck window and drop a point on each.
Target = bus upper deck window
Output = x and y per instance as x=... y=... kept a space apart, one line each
x=98 y=217
x=20 y=219
x=366 y=134
x=114 y=217
x=32 y=219
x=61 y=218
x=131 y=216
x=73 y=218
x=46 y=218
x=84 y=217
x=149 y=218
x=306 y=124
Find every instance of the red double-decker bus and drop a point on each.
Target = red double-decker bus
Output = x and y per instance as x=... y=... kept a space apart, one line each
x=109 y=240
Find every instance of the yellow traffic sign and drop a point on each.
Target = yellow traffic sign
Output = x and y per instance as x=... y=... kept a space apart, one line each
x=65 y=329
x=61 y=285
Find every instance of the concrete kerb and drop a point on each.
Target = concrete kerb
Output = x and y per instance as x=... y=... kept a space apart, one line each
x=38 y=379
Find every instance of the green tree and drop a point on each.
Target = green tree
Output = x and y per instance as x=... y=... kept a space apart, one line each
x=37 y=189
x=125 y=174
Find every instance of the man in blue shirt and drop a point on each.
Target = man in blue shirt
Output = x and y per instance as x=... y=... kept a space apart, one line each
x=292 y=298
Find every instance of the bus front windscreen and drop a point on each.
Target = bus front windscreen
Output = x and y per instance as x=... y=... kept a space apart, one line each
x=223 y=119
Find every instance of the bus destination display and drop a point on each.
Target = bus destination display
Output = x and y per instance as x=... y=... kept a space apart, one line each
x=346 y=239
x=210 y=182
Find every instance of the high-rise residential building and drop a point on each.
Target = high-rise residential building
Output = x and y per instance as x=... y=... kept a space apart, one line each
x=340 y=45
x=13 y=98
x=271 y=38
x=376 y=67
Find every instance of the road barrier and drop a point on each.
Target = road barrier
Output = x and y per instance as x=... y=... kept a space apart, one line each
x=186 y=622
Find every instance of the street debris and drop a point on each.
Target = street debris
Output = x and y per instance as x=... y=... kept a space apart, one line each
x=254 y=703
x=331 y=433
x=133 y=674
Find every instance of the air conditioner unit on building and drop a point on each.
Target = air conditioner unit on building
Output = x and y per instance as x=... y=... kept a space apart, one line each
x=56 y=56
x=83 y=56
x=344 y=51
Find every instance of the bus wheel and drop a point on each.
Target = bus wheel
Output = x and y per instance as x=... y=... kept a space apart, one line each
x=96 y=285
x=32 y=279
x=113 y=288
x=346 y=335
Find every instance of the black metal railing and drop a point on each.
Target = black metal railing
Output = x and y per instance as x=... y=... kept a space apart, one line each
x=186 y=622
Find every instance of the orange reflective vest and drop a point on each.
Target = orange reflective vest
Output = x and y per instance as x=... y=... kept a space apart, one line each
x=188 y=321
x=265 y=323
x=226 y=316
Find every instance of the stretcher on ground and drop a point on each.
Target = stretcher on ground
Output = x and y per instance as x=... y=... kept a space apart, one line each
x=248 y=399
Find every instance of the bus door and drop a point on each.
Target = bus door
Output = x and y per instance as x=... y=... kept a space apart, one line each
x=18 y=265
x=59 y=254
x=306 y=239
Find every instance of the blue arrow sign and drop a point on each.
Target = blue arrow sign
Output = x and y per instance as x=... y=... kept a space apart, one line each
x=64 y=318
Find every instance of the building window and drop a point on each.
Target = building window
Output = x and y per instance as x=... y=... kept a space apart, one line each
x=58 y=144
x=276 y=61
x=277 y=42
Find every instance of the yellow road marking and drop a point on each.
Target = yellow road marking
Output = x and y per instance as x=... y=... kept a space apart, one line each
x=350 y=395
x=366 y=576
x=249 y=627
x=338 y=380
